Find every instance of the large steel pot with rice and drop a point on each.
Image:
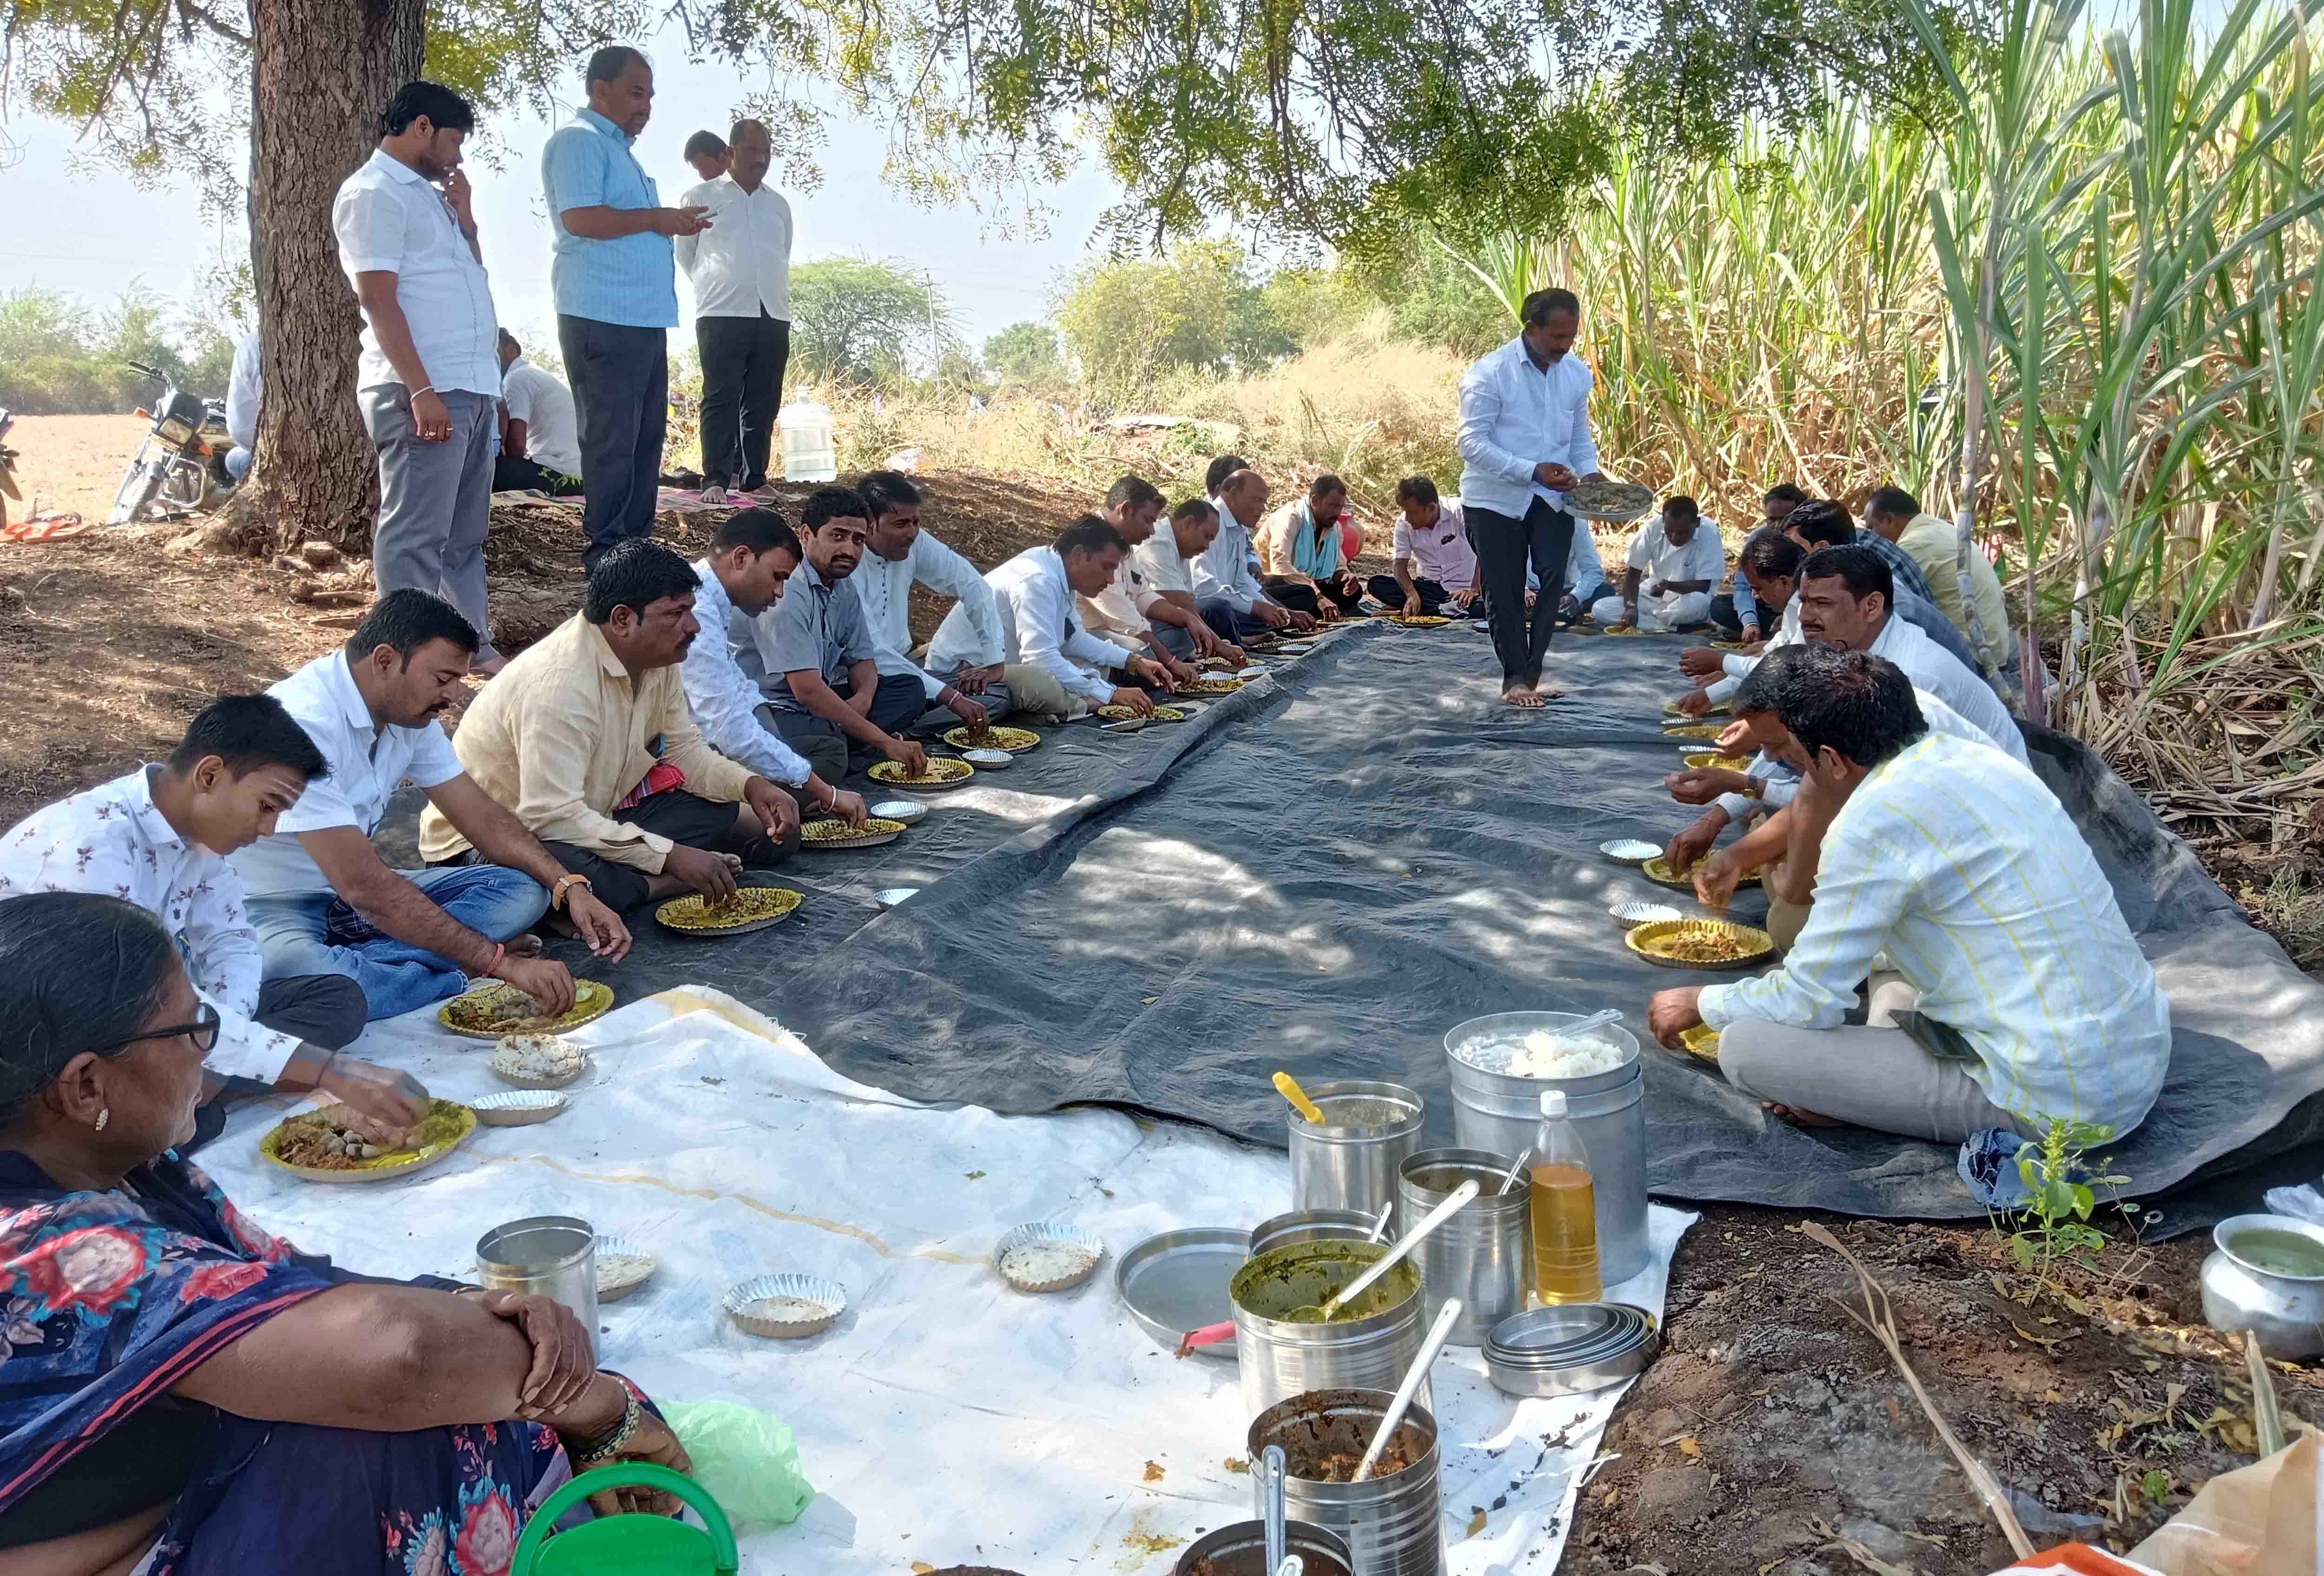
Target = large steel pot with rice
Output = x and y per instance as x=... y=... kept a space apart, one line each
x=1368 y=1346
x=1498 y=1109
x=1393 y=1520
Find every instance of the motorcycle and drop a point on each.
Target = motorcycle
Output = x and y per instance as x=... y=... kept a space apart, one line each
x=7 y=466
x=180 y=465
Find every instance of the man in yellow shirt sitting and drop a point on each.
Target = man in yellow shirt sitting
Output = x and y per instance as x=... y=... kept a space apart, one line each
x=1934 y=545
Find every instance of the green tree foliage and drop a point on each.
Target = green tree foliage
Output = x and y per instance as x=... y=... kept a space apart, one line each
x=1202 y=310
x=58 y=357
x=1025 y=353
x=861 y=320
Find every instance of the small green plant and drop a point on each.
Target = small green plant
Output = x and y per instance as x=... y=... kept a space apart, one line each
x=2054 y=1225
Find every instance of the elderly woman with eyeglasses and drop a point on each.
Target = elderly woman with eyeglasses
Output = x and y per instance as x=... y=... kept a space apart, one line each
x=182 y=1394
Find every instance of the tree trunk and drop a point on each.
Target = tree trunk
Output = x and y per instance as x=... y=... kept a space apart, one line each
x=324 y=71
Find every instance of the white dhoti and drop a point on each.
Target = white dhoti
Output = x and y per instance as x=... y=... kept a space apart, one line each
x=1666 y=612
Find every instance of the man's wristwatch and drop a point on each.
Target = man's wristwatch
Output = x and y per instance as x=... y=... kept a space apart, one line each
x=558 y=894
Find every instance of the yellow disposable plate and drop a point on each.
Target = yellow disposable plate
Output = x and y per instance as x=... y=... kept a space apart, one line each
x=1418 y=620
x=591 y=999
x=1657 y=869
x=944 y=771
x=1702 y=1041
x=1711 y=761
x=1692 y=729
x=750 y=908
x=1211 y=686
x=1653 y=942
x=1016 y=741
x=826 y=836
x=444 y=1129
x=1718 y=708
x=1113 y=714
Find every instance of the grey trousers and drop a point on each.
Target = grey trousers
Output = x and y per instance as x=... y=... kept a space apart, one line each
x=323 y=1009
x=1877 y=1076
x=434 y=501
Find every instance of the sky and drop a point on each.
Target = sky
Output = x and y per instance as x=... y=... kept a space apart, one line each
x=122 y=235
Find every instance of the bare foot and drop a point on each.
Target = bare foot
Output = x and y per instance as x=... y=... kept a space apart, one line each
x=1525 y=700
x=527 y=945
x=1798 y=1117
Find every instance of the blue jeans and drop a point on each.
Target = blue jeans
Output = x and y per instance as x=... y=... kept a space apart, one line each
x=319 y=934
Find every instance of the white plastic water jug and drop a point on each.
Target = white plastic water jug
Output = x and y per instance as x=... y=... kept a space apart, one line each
x=810 y=452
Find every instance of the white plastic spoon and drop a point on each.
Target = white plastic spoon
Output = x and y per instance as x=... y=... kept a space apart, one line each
x=1390 y=1420
x=1395 y=1255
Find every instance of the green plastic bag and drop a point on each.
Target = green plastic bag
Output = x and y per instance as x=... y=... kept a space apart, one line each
x=747 y=1459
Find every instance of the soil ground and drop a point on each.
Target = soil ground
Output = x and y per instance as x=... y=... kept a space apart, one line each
x=1771 y=1436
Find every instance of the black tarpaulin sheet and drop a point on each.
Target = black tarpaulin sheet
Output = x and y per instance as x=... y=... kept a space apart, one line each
x=1328 y=870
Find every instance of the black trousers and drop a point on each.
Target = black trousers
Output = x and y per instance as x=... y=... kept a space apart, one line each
x=516 y=473
x=1301 y=597
x=1723 y=614
x=323 y=1009
x=680 y=816
x=621 y=395
x=1504 y=545
x=1387 y=590
x=743 y=363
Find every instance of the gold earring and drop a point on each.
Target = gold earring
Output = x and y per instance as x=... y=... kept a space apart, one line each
x=102 y=1117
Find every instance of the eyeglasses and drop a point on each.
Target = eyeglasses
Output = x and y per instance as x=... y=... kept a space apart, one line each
x=203 y=1032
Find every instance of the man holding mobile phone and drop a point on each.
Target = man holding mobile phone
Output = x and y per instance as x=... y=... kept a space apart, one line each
x=429 y=381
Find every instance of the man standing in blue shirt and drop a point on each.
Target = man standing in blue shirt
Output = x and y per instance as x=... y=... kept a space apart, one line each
x=1525 y=441
x=616 y=286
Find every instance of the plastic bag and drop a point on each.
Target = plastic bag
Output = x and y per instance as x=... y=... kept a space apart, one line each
x=747 y=1459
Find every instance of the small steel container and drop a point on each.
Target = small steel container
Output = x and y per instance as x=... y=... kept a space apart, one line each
x=1278 y=1358
x=1499 y=1112
x=1484 y=1254
x=1240 y=1548
x=1311 y=1226
x=1392 y=1521
x=550 y=1256
x=2246 y=1287
x=1349 y=1162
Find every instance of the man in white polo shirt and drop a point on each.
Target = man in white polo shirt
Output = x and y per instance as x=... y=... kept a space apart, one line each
x=1186 y=628
x=740 y=268
x=319 y=896
x=429 y=375
x=1054 y=666
x=1675 y=563
x=540 y=446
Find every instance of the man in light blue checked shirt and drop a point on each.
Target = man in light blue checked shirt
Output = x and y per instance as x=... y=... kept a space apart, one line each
x=2014 y=993
x=616 y=281
x=1524 y=439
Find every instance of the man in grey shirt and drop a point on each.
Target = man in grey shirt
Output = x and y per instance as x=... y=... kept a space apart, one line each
x=821 y=671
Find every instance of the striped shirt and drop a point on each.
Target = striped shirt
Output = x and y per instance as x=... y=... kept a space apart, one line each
x=632 y=281
x=1983 y=894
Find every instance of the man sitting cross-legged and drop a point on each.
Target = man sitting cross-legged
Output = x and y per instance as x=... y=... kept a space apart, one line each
x=823 y=681
x=1130 y=611
x=1307 y=568
x=1189 y=630
x=1769 y=567
x=751 y=557
x=1675 y=563
x=898 y=554
x=1435 y=568
x=586 y=737
x=321 y=898
x=2019 y=995
x=1228 y=569
x=160 y=837
x=1054 y=667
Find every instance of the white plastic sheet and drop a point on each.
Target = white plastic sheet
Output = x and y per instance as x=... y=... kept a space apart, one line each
x=946 y=1419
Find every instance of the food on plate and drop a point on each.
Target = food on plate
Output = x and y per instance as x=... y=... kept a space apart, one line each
x=746 y=904
x=1702 y=1041
x=1211 y=686
x=1711 y=761
x=327 y=1141
x=1113 y=714
x=1604 y=496
x=992 y=738
x=1689 y=730
x=539 y=1058
x=1042 y=1264
x=786 y=1310
x=943 y=770
x=833 y=830
x=500 y=1009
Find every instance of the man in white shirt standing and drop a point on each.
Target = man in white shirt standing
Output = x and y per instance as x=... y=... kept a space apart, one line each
x=741 y=272
x=540 y=446
x=242 y=394
x=898 y=555
x=1054 y=666
x=160 y=837
x=429 y=375
x=1675 y=565
x=1525 y=440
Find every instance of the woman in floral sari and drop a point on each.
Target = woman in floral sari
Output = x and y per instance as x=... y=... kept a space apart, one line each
x=182 y=1394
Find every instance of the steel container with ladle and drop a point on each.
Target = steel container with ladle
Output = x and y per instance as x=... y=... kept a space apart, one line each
x=1484 y=1254
x=1392 y=1521
x=1369 y=1346
x=1349 y=1162
x=1499 y=1112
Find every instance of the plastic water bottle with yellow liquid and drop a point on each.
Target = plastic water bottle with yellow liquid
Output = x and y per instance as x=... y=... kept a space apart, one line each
x=1564 y=1208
